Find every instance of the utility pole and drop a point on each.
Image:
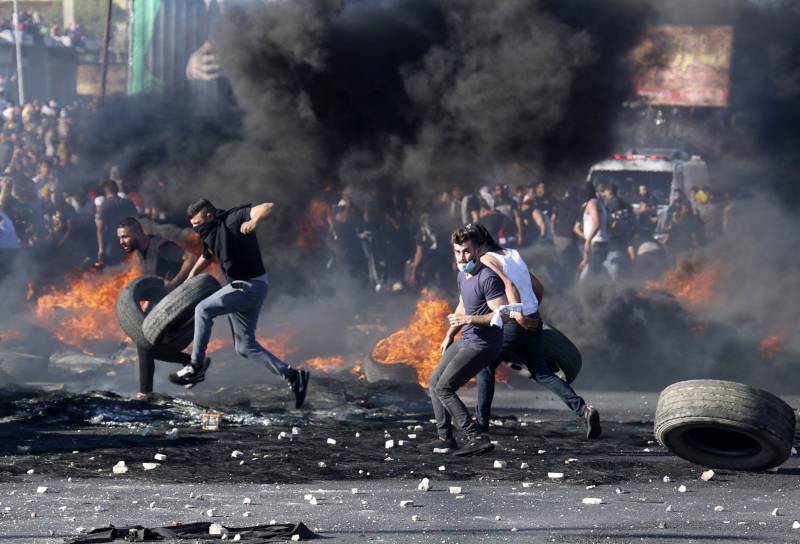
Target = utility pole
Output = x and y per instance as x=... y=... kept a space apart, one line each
x=106 y=38
x=18 y=46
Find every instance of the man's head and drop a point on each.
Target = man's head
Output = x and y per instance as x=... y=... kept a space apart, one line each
x=610 y=191
x=130 y=234
x=643 y=190
x=467 y=242
x=200 y=212
x=499 y=190
x=484 y=209
x=110 y=188
x=540 y=189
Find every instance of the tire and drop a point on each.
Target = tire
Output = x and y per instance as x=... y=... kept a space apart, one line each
x=563 y=357
x=176 y=310
x=724 y=424
x=130 y=315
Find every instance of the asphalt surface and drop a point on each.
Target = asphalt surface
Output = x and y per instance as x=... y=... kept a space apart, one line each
x=359 y=487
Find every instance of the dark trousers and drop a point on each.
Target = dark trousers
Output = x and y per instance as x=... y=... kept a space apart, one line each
x=147 y=364
x=458 y=365
x=524 y=347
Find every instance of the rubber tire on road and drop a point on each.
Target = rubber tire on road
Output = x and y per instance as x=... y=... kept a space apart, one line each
x=130 y=315
x=722 y=424
x=176 y=310
x=562 y=355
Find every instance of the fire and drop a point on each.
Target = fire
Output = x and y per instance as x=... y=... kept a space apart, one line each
x=325 y=364
x=84 y=309
x=693 y=282
x=771 y=346
x=9 y=335
x=417 y=345
x=279 y=344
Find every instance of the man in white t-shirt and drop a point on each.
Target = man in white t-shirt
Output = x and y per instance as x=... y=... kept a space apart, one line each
x=9 y=244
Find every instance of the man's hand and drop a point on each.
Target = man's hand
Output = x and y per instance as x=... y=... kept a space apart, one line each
x=527 y=323
x=248 y=227
x=446 y=343
x=459 y=320
x=202 y=65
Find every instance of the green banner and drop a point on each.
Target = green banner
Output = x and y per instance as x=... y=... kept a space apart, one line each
x=140 y=77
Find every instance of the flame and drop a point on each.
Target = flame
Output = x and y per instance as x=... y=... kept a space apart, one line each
x=279 y=344
x=326 y=364
x=693 y=282
x=771 y=346
x=9 y=335
x=84 y=308
x=418 y=343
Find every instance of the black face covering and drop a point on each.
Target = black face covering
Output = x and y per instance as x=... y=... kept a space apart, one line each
x=205 y=229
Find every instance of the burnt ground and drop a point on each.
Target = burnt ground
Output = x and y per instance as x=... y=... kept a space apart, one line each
x=71 y=441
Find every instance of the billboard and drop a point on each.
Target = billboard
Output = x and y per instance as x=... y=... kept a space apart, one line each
x=684 y=66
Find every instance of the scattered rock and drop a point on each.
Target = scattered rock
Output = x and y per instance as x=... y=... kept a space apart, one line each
x=682 y=489
x=354 y=491
x=441 y=468
x=41 y=489
x=441 y=450
x=666 y=479
x=119 y=468
x=415 y=518
x=210 y=512
x=424 y=485
x=669 y=508
x=500 y=464
x=718 y=508
x=160 y=457
x=148 y=431
x=172 y=434
x=151 y=505
x=796 y=525
x=455 y=490
x=776 y=512
x=555 y=475
x=592 y=500
x=246 y=514
x=541 y=452
x=707 y=475
x=236 y=454
x=497 y=518
x=295 y=431
x=523 y=466
x=322 y=464
x=331 y=441
x=527 y=484
x=150 y=466
x=406 y=504
x=313 y=501
x=30 y=471
x=216 y=529
x=389 y=444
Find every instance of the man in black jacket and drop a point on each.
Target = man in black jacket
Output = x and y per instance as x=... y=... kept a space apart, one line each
x=229 y=237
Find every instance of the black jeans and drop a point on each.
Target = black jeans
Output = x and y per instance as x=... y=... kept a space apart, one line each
x=524 y=347
x=147 y=364
x=458 y=365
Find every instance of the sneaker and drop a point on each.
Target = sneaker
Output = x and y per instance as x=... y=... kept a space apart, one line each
x=591 y=418
x=299 y=385
x=477 y=445
x=441 y=445
x=191 y=374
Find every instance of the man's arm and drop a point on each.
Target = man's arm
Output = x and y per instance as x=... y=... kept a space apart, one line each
x=187 y=265
x=594 y=213
x=257 y=214
x=459 y=319
x=100 y=238
x=453 y=330
x=199 y=265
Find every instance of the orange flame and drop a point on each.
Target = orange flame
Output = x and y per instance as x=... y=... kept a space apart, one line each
x=693 y=282
x=84 y=309
x=326 y=364
x=771 y=346
x=9 y=335
x=280 y=344
x=417 y=345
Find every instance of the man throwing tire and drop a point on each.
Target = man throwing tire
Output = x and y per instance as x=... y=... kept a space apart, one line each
x=165 y=259
x=481 y=292
x=229 y=237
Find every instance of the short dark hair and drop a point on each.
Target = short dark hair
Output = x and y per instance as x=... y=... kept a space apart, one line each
x=110 y=186
x=467 y=233
x=200 y=205
x=131 y=223
x=612 y=188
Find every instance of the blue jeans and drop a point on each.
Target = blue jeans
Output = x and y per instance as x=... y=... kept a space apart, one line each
x=615 y=263
x=524 y=347
x=242 y=304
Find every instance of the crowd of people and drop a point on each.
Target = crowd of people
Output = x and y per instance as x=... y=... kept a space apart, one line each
x=31 y=23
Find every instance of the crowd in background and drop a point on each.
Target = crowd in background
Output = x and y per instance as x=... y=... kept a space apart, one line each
x=32 y=24
x=387 y=240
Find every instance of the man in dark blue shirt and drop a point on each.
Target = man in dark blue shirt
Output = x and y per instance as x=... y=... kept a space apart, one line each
x=229 y=237
x=481 y=292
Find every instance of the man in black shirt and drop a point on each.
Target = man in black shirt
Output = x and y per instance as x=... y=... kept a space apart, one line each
x=229 y=237
x=113 y=210
x=165 y=259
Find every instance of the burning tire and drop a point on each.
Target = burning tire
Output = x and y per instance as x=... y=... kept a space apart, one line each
x=130 y=315
x=176 y=310
x=724 y=424
x=562 y=355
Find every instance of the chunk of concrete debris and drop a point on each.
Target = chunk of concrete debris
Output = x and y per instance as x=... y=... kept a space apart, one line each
x=527 y=484
x=500 y=464
x=441 y=450
x=415 y=518
x=147 y=430
x=406 y=504
x=454 y=490
x=682 y=489
x=151 y=505
x=441 y=468
x=173 y=434
x=523 y=466
x=424 y=485
x=776 y=512
x=210 y=512
x=331 y=441
x=592 y=500
x=497 y=518
x=160 y=457
x=389 y=444
x=296 y=538
x=555 y=475
x=666 y=479
x=282 y=435
x=541 y=452
x=322 y=464
x=247 y=500
x=571 y=460
x=313 y=501
x=41 y=489
x=719 y=508
x=216 y=529
x=796 y=525
x=119 y=468
x=707 y=475
x=295 y=431
x=150 y=466
x=246 y=514
x=236 y=453
x=412 y=436
x=354 y=491
x=237 y=537
x=30 y=471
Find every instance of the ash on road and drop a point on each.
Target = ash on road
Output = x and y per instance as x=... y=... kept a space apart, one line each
x=71 y=442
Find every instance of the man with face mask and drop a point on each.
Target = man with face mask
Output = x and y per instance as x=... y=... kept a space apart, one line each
x=229 y=237
x=165 y=259
x=481 y=293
